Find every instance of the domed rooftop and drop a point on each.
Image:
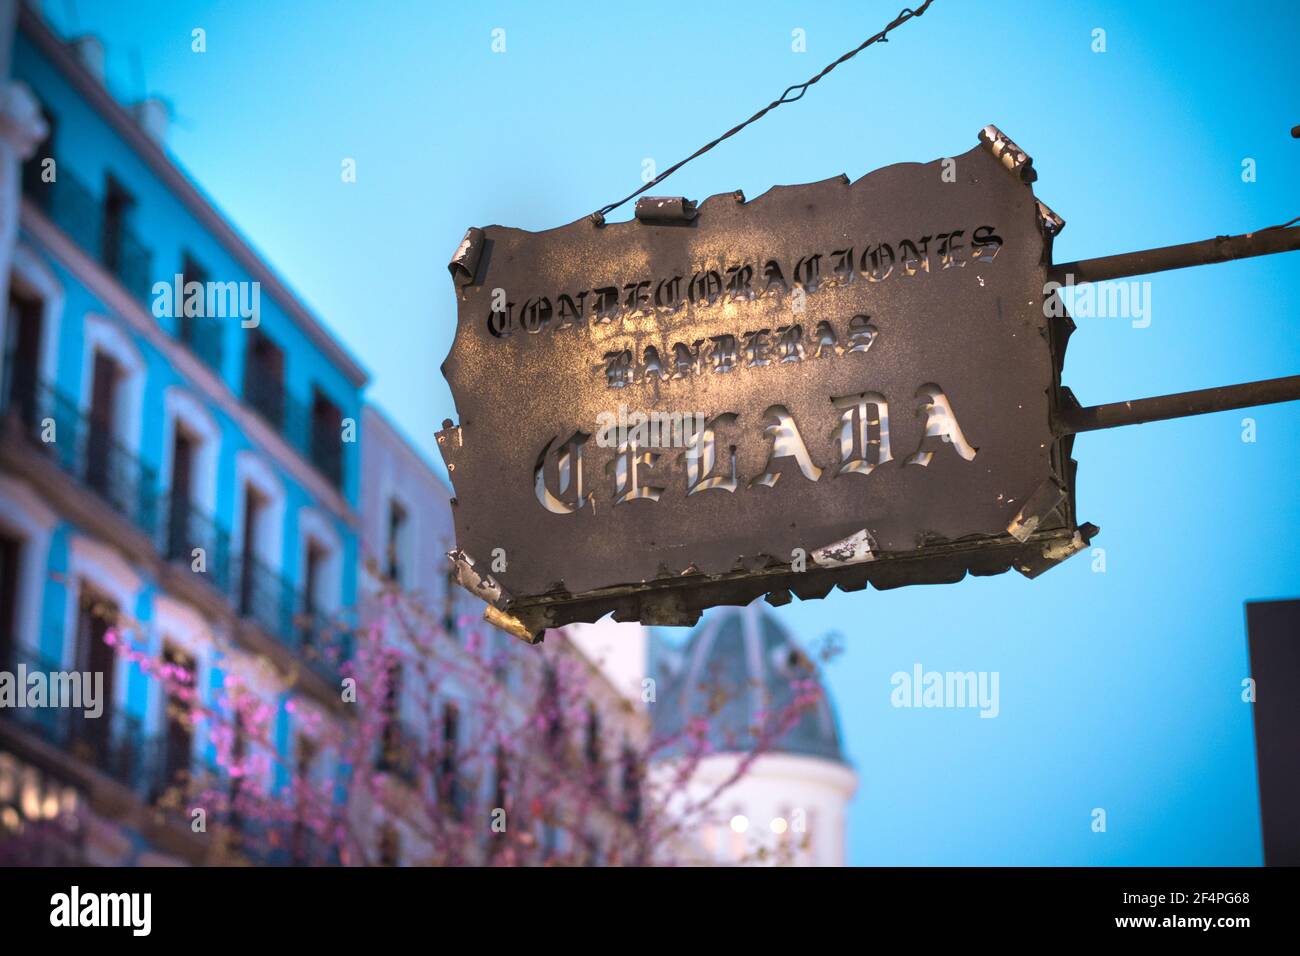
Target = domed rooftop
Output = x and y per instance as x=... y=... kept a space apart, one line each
x=743 y=664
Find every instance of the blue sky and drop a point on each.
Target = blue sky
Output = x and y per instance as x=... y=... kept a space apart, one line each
x=1119 y=689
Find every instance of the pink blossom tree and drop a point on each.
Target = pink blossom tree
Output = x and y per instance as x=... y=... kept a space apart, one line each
x=451 y=739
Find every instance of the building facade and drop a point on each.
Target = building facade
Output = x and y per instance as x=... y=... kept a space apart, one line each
x=198 y=507
x=459 y=741
x=179 y=465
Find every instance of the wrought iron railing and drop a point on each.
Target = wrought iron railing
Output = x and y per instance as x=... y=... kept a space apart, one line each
x=51 y=724
x=259 y=593
x=113 y=742
x=321 y=443
x=74 y=209
x=80 y=445
x=185 y=529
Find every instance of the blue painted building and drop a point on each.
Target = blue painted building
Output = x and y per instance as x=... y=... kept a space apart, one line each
x=179 y=458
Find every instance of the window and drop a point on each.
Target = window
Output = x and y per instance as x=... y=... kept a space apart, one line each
x=180 y=502
x=105 y=393
x=312 y=592
x=249 y=569
x=592 y=749
x=327 y=438
x=395 y=553
x=551 y=710
x=448 y=768
x=391 y=744
x=631 y=785
x=191 y=271
x=115 y=241
x=264 y=378
x=449 y=603
x=178 y=740
x=304 y=767
x=10 y=561
x=306 y=761
x=23 y=354
x=95 y=615
x=200 y=332
x=501 y=771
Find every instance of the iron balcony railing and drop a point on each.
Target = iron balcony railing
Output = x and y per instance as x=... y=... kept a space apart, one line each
x=80 y=445
x=252 y=588
x=264 y=596
x=321 y=443
x=74 y=209
x=113 y=743
x=283 y=611
x=51 y=724
x=185 y=529
x=86 y=450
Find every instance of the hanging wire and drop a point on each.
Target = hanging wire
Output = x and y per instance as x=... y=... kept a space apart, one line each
x=882 y=37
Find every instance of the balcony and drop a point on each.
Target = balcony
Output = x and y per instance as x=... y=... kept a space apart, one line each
x=113 y=743
x=320 y=442
x=174 y=527
x=282 y=611
x=80 y=446
x=184 y=529
x=116 y=746
x=74 y=209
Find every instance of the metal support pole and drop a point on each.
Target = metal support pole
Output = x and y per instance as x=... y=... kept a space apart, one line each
x=1070 y=421
x=1219 y=249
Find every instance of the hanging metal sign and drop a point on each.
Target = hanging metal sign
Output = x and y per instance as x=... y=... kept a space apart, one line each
x=828 y=386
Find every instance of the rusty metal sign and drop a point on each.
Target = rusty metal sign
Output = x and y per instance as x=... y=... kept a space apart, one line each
x=829 y=385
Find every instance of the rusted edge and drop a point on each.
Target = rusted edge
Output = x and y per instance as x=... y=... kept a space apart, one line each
x=477 y=582
x=464 y=264
x=1045 y=499
x=1053 y=553
x=1006 y=152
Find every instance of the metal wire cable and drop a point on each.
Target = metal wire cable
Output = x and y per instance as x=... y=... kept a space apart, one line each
x=882 y=37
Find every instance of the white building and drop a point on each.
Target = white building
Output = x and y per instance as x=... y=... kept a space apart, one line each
x=789 y=806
